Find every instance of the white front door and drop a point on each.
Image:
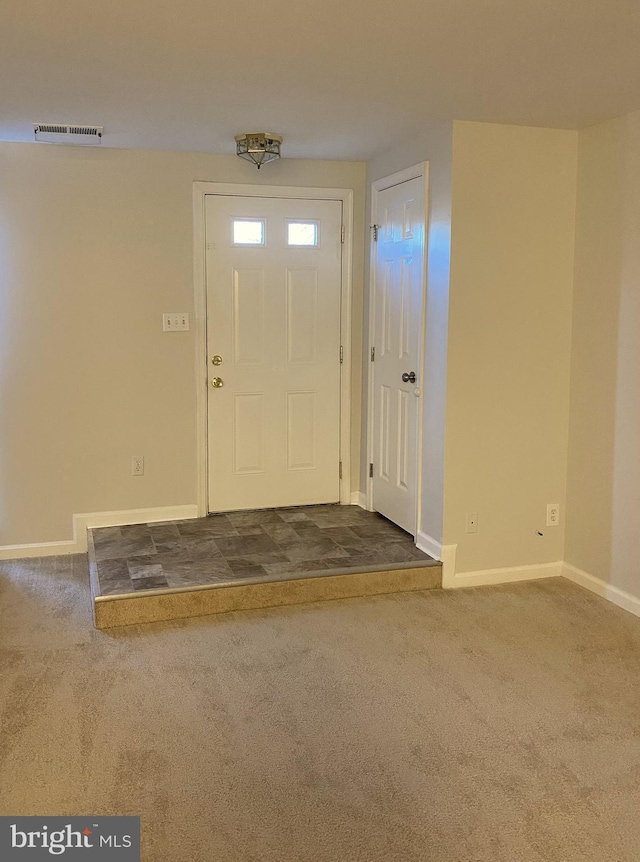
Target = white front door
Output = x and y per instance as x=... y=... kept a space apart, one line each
x=398 y=304
x=273 y=269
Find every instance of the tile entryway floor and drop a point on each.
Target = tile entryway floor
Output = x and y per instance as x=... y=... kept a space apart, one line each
x=248 y=546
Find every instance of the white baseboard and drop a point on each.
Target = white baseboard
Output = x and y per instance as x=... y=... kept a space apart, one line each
x=428 y=545
x=359 y=499
x=506 y=575
x=78 y=545
x=37 y=549
x=613 y=594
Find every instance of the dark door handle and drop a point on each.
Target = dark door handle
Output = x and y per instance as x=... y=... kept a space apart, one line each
x=409 y=378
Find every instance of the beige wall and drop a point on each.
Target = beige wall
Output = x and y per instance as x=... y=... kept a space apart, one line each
x=603 y=486
x=94 y=246
x=433 y=146
x=512 y=243
x=501 y=242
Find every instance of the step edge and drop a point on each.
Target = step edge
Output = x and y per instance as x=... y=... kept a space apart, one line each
x=179 y=604
x=270 y=579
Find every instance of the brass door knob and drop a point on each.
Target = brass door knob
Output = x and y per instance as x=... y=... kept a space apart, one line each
x=217 y=382
x=217 y=360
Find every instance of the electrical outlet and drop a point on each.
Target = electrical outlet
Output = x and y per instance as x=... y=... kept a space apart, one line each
x=472 y=522
x=175 y=322
x=553 y=514
x=137 y=465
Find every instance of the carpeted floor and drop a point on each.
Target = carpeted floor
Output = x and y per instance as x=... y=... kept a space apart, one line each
x=493 y=725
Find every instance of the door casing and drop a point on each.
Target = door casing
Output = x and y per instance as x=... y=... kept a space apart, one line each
x=412 y=173
x=200 y=190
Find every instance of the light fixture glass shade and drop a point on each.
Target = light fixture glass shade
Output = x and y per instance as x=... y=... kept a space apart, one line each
x=258 y=147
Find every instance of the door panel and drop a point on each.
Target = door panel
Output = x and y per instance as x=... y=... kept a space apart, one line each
x=302 y=315
x=248 y=434
x=273 y=315
x=248 y=316
x=301 y=430
x=398 y=303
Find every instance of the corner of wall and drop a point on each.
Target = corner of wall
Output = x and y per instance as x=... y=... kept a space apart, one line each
x=513 y=212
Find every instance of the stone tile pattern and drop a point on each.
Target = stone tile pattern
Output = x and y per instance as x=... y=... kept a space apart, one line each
x=260 y=544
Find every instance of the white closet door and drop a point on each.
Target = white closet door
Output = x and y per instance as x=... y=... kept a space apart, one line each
x=399 y=281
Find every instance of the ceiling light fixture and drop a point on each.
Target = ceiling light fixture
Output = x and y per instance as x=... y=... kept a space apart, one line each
x=258 y=147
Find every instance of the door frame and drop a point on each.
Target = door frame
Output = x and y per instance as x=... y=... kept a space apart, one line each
x=421 y=170
x=200 y=191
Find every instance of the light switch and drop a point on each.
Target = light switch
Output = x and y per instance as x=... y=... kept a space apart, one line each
x=175 y=322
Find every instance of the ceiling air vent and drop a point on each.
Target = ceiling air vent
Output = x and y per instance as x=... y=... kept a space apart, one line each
x=57 y=133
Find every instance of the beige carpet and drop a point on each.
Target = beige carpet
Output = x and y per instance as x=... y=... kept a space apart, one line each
x=490 y=725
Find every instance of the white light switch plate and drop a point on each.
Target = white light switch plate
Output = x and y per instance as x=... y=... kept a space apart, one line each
x=175 y=322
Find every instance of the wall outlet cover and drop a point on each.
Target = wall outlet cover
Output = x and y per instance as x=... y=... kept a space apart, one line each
x=553 y=514
x=471 y=522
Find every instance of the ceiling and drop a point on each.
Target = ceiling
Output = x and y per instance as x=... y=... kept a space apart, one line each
x=339 y=79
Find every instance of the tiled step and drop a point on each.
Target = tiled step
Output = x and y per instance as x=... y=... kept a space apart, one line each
x=250 y=559
x=251 y=593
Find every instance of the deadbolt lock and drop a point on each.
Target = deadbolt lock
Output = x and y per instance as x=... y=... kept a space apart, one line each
x=217 y=360
x=217 y=382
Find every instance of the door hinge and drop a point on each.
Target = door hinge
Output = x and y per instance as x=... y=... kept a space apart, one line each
x=340 y=469
x=341 y=354
x=374 y=228
x=371 y=471
x=373 y=354
x=343 y=232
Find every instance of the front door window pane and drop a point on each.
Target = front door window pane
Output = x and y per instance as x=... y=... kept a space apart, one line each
x=302 y=233
x=248 y=231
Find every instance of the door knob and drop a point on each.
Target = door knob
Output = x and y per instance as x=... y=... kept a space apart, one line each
x=217 y=360
x=217 y=382
x=409 y=378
